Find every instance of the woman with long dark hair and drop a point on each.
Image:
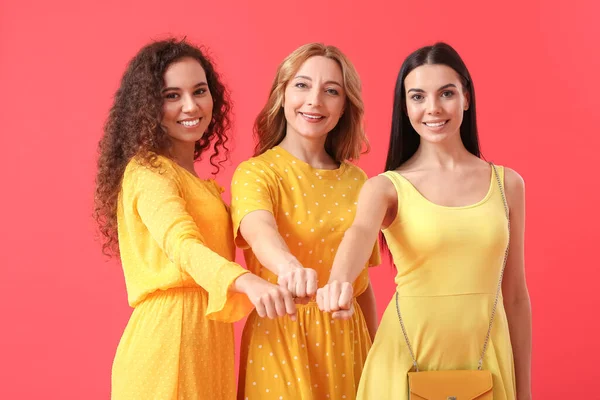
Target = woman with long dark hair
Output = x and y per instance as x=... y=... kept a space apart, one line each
x=443 y=212
x=172 y=230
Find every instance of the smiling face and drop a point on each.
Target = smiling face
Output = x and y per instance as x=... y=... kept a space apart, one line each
x=187 y=101
x=314 y=98
x=435 y=102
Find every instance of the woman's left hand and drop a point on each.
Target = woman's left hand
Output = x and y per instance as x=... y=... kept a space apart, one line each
x=336 y=297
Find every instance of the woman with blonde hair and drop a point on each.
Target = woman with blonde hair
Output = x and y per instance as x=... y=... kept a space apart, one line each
x=291 y=204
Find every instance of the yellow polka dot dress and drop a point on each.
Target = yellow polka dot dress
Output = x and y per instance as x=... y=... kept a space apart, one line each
x=314 y=357
x=176 y=249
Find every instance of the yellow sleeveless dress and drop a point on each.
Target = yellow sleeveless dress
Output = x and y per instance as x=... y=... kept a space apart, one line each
x=449 y=261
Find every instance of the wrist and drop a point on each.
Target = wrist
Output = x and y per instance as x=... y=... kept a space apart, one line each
x=288 y=266
x=340 y=277
x=240 y=285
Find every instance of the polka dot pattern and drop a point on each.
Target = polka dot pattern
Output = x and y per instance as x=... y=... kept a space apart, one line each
x=313 y=358
x=169 y=350
x=312 y=208
x=312 y=225
x=176 y=250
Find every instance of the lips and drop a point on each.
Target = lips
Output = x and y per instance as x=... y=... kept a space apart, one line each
x=313 y=117
x=189 y=123
x=435 y=124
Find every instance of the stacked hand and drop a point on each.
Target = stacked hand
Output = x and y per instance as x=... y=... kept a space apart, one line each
x=299 y=281
x=336 y=298
x=270 y=300
x=296 y=284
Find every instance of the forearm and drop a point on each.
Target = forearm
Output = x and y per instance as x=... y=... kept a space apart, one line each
x=272 y=252
x=368 y=305
x=352 y=255
x=519 y=321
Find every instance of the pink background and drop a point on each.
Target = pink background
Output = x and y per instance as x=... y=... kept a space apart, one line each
x=535 y=68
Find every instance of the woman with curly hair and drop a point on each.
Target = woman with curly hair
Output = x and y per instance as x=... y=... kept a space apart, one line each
x=291 y=204
x=172 y=230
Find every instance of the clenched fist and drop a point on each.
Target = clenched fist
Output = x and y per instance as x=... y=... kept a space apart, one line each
x=300 y=281
x=336 y=297
x=269 y=300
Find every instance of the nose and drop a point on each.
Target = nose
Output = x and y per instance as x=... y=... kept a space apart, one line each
x=189 y=105
x=433 y=105
x=314 y=97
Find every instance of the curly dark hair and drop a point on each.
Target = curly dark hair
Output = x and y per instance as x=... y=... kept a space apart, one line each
x=133 y=127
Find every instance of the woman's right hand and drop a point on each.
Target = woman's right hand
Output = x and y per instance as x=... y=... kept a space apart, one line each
x=300 y=281
x=269 y=300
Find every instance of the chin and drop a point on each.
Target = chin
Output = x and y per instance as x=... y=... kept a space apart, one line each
x=320 y=137
x=187 y=138
x=313 y=135
x=434 y=137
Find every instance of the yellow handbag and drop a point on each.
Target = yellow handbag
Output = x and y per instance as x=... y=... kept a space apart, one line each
x=450 y=385
x=456 y=384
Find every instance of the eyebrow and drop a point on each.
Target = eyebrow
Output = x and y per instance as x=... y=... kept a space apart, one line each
x=308 y=78
x=442 y=88
x=176 y=88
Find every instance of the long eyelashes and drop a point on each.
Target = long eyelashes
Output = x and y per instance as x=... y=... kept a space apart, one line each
x=445 y=94
x=175 y=96
x=331 y=91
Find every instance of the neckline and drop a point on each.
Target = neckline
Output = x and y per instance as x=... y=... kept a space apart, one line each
x=335 y=173
x=483 y=200
x=192 y=176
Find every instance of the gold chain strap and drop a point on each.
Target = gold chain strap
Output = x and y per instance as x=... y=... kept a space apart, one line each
x=489 y=331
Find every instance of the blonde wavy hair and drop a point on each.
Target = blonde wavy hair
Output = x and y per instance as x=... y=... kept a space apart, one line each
x=346 y=140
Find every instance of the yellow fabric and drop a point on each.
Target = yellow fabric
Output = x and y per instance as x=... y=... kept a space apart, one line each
x=170 y=351
x=176 y=250
x=313 y=358
x=449 y=261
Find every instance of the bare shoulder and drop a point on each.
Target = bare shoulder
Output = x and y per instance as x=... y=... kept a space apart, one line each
x=513 y=180
x=378 y=193
x=515 y=188
x=380 y=185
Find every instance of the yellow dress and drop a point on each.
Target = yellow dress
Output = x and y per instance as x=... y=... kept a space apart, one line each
x=176 y=250
x=449 y=261
x=314 y=357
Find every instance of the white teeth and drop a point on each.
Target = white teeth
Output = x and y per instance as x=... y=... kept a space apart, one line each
x=312 y=116
x=190 y=123
x=435 y=124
